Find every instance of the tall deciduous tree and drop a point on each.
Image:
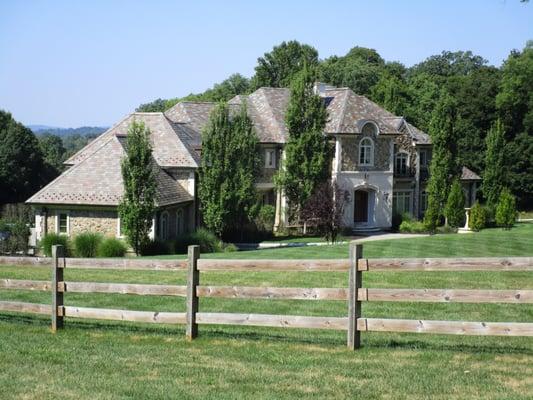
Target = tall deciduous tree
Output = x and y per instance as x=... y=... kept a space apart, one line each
x=494 y=175
x=307 y=154
x=22 y=169
x=137 y=207
x=279 y=67
x=229 y=170
x=443 y=166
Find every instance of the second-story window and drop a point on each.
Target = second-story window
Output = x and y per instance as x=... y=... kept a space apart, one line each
x=270 y=158
x=366 y=152
x=401 y=163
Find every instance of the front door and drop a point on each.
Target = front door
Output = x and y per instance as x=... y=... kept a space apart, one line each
x=360 y=206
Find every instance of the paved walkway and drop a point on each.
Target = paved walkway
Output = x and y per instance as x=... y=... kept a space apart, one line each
x=377 y=236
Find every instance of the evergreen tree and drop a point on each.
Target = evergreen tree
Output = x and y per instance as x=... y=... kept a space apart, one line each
x=454 y=209
x=307 y=154
x=443 y=165
x=494 y=175
x=137 y=207
x=506 y=209
x=229 y=170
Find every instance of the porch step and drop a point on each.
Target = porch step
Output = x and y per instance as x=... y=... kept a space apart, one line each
x=366 y=231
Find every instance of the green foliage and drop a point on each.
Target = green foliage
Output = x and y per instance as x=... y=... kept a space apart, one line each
x=279 y=67
x=478 y=217
x=229 y=170
x=307 y=155
x=230 y=248
x=410 y=225
x=86 y=244
x=266 y=217
x=506 y=209
x=207 y=241
x=137 y=207
x=17 y=232
x=494 y=174
x=22 y=168
x=52 y=239
x=53 y=151
x=111 y=247
x=359 y=70
x=454 y=210
x=443 y=164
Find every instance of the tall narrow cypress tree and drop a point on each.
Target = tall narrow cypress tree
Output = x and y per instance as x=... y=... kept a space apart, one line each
x=307 y=156
x=443 y=166
x=137 y=207
x=494 y=175
x=229 y=170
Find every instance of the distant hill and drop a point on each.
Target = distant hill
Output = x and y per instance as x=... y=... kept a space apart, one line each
x=82 y=131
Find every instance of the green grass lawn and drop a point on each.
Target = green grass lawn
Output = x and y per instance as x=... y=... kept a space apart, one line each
x=108 y=360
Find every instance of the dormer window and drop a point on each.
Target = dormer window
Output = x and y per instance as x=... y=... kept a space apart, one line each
x=369 y=129
x=270 y=158
x=366 y=152
x=401 y=163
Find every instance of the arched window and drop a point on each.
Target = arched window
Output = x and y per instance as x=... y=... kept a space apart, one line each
x=163 y=225
x=179 y=222
x=366 y=152
x=401 y=163
x=369 y=129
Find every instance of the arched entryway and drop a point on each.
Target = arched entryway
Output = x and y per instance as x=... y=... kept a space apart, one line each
x=363 y=211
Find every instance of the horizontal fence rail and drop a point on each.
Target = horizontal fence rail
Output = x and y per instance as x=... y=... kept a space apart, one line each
x=355 y=294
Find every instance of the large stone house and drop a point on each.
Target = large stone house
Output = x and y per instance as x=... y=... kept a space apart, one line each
x=380 y=159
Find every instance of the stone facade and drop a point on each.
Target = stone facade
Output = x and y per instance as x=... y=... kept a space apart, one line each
x=350 y=154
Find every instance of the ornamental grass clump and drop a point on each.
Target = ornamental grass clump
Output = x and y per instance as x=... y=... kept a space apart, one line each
x=86 y=244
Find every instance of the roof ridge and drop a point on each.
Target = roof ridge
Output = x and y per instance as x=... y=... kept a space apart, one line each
x=92 y=143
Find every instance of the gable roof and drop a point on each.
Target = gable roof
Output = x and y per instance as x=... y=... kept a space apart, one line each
x=97 y=180
x=169 y=150
x=469 y=175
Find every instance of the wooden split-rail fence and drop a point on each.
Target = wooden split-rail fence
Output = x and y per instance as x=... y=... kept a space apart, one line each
x=354 y=294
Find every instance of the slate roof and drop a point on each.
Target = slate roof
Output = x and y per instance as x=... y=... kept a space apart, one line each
x=266 y=107
x=169 y=149
x=469 y=175
x=97 y=180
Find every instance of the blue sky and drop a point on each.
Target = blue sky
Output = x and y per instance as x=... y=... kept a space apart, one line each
x=73 y=63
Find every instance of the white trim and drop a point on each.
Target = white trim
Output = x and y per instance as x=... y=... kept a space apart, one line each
x=67 y=213
x=359 y=148
x=119 y=228
x=367 y=122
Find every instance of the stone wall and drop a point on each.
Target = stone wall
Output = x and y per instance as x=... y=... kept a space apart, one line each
x=350 y=154
x=100 y=221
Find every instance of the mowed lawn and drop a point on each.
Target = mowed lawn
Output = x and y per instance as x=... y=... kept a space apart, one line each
x=108 y=360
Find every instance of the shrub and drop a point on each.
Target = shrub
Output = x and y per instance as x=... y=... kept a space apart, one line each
x=52 y=239
x=454 y=209
x=412 y=226
x=111 y=247
x=266 y=218
x=154 y=248
x=446 y=229
x=207 y=241
x=506 y=210
x=396 y=221
x=478 y=217
x=86 y=244
x=230 y=248
x=15 y=234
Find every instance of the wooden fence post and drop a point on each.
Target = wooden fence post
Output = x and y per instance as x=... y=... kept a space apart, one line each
x=58 y=266
x=354 y=306
x=193 y=280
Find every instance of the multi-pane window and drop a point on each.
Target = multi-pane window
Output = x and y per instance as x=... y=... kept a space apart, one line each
x=62 y=223
x=423 y=158
x=401 y=163
x=163 y=225
x=366 y=152
x=401 y=202
x=270 y=158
